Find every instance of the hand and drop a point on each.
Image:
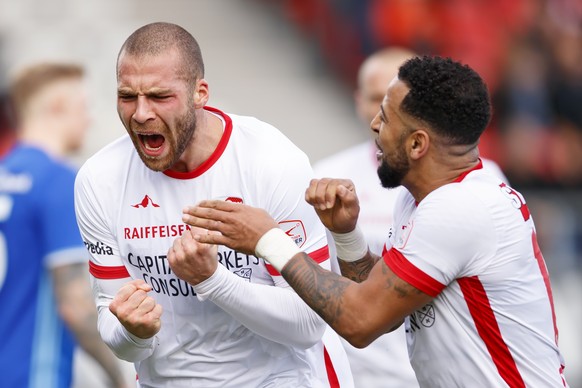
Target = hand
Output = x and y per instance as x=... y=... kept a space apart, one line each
x=137 y=312
x=191 y=260
x=335 y=202
x=240 y=226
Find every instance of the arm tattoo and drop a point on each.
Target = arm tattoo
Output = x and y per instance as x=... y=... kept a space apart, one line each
x=322 y=290
x=403 y=289
x=358 y=270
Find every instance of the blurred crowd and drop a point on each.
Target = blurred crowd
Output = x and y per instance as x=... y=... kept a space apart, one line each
x=528 y=51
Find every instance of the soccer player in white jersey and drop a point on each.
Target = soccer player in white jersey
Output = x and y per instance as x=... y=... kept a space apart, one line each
x=463 y=267
x=187 y=314
x=385 y=361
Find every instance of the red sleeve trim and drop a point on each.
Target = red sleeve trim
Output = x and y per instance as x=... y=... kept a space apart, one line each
x=319 y=256
x=405 y=270
x=109 y=273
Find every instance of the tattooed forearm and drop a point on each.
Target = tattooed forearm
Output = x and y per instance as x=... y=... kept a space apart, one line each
x=322 y=290
x=358 y=270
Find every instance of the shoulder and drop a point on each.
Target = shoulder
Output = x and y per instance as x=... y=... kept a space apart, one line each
x=463 y=202
x=109 y=159
x=493 y=168
x=261 y=140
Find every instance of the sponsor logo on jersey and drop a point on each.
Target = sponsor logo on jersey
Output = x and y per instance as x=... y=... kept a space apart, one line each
x=295 y=230
x=154 y=231
x=156 y=271
x=145 y=202
x=98 y=248
x=235 y=260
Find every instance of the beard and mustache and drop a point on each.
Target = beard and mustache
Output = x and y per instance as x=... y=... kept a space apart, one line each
x=177 y=140
x=392 y=173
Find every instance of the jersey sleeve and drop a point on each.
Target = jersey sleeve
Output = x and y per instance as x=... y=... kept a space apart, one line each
x=295 y=216
x=107 y=270
x=105 y=260
x=445 y=239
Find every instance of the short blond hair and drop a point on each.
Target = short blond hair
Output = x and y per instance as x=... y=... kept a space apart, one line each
x=31 y=80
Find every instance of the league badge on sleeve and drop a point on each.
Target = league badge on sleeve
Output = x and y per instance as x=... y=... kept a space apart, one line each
x=403 y=234
x=295 y=230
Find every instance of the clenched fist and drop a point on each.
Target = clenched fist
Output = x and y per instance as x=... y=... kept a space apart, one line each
x=137 y=312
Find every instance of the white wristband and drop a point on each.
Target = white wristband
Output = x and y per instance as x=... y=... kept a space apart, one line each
x=350 y=246
x=277 y=248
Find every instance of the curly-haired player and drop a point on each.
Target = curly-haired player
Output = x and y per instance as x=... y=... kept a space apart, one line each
x=463 y=267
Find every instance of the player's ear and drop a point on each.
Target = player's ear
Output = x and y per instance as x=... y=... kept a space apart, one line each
x=419 y=142
x=201 y=93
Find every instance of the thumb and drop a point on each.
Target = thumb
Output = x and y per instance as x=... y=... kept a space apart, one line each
x=347 y=195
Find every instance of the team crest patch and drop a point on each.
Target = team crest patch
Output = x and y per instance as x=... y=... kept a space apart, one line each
x=295 y=230
x=244 y=273
x=426 y=315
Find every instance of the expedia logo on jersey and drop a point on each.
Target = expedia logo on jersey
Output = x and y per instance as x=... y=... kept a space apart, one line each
x=423 y=317
x=98 y=248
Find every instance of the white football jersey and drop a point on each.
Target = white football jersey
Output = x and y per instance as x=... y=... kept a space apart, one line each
x=472 y=245
x=130 y=215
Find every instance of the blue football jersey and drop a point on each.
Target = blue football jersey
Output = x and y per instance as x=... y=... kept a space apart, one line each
x=37 y=228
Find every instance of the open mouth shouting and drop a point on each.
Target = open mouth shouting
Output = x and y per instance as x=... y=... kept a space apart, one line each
x=152 y=143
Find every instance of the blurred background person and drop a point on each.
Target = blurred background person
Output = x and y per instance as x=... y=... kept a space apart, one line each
x=47 y=304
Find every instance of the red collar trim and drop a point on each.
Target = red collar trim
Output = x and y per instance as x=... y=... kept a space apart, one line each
x=215 y=155
x=463 y=175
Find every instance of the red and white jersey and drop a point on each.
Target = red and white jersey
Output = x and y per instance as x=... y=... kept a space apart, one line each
x=472 y=245
x=130 y=216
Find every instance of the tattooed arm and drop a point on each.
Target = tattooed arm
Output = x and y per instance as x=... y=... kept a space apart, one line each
x=359 y=312
x=358 y=270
